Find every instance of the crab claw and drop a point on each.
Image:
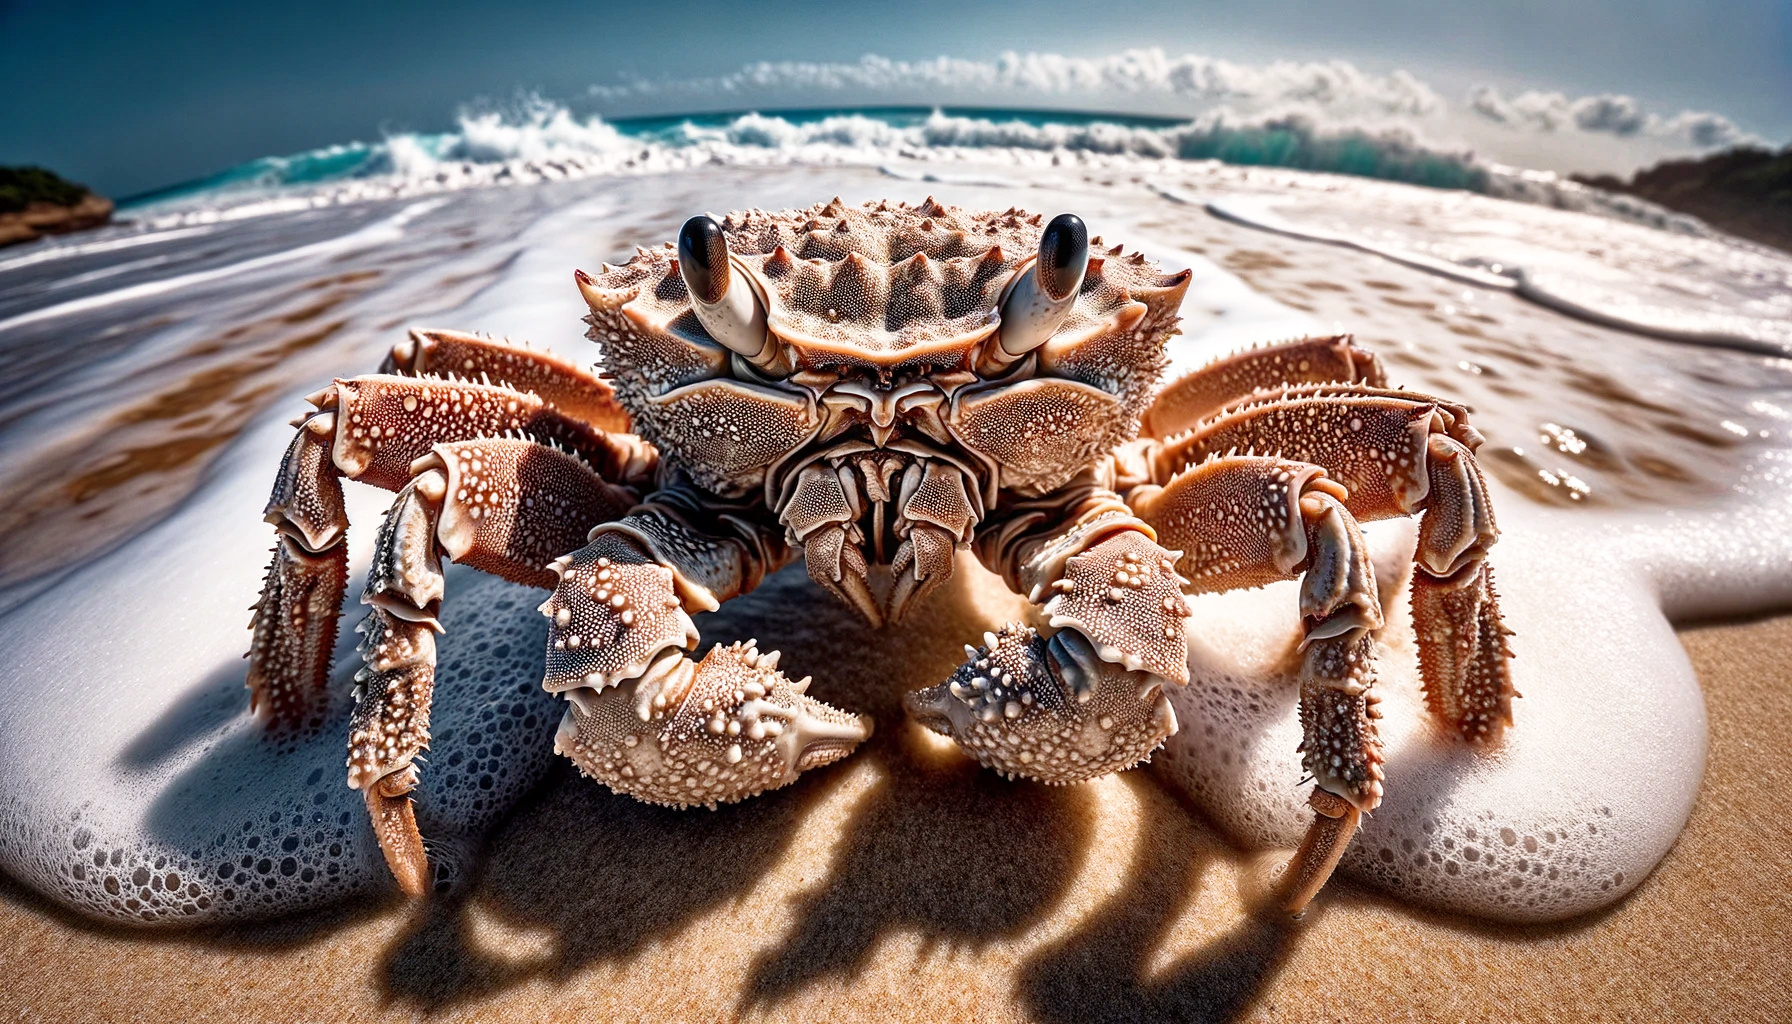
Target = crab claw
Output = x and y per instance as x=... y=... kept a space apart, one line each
x=711 y=732
x=614 y=611
x=1052 y=711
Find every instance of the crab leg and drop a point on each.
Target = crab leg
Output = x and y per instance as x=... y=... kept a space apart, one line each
x=1246 y=521
x=371 y=429
x=1186 y=400
x=643 y=718
x=1463 y=653
x=504 y=505
x=574 y=391
x=1397 y=453
x=1089 y=700
x=295 y=619
x=394 y=687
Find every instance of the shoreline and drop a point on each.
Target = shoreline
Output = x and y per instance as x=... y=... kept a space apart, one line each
x=1129 y=909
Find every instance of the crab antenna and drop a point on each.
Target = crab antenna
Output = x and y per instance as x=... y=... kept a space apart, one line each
x=1041 y=297
x=722 y=294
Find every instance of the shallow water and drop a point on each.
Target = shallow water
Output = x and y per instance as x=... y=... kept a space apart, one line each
x=148 y=378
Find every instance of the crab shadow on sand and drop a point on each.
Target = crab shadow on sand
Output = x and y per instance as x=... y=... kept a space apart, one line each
x=929 y=845
x=1105 y=970
x=620 y=875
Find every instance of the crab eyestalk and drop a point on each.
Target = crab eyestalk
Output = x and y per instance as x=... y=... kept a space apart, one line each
x=722 y=294
x=1041 y=297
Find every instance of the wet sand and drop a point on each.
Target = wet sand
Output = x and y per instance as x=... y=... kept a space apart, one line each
x=907 y=884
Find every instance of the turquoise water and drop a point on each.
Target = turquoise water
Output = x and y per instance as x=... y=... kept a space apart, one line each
x=542 y=131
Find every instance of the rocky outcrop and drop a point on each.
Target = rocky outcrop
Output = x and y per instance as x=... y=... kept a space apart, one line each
x=34 y=202
x=41 y=219
x=1745 y=191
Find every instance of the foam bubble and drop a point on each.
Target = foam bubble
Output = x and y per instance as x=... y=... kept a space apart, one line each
x=138 y=788
x=1570 y=811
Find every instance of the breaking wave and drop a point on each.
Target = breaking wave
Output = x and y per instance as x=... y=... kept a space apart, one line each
x=546 y=141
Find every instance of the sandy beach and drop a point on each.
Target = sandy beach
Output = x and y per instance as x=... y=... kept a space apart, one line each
x=908 y=884
x=1442 y=361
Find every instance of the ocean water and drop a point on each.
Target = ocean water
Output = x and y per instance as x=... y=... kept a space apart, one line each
x=1632 y=371
x=539 y=140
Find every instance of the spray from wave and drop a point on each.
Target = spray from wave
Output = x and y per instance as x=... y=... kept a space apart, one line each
x=540 y=140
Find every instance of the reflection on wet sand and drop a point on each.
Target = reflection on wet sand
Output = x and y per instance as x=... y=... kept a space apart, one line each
x=132 y=466
x=107 y=478
x=1651 y=412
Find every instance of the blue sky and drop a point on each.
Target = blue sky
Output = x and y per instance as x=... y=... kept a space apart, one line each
x=131 y=96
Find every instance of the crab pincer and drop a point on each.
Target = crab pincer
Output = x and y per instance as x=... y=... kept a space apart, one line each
x=1047 y=710
x=1090 y=700
x=646 y=720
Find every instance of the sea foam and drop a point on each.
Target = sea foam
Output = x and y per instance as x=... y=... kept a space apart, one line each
x=1628 y=298
x=137 y=788
x=543 y=140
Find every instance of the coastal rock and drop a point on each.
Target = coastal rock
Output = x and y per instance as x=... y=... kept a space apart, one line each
x=1746 y=191
x=42 y=218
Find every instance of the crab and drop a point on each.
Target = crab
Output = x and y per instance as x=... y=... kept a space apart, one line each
x=873 y=389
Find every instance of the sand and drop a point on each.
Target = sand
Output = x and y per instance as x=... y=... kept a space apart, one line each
x=907 y=884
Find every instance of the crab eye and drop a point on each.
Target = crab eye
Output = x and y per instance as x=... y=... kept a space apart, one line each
x=1063 y=256
x=703 y=259
x=724 y=301
x=1041 y=298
